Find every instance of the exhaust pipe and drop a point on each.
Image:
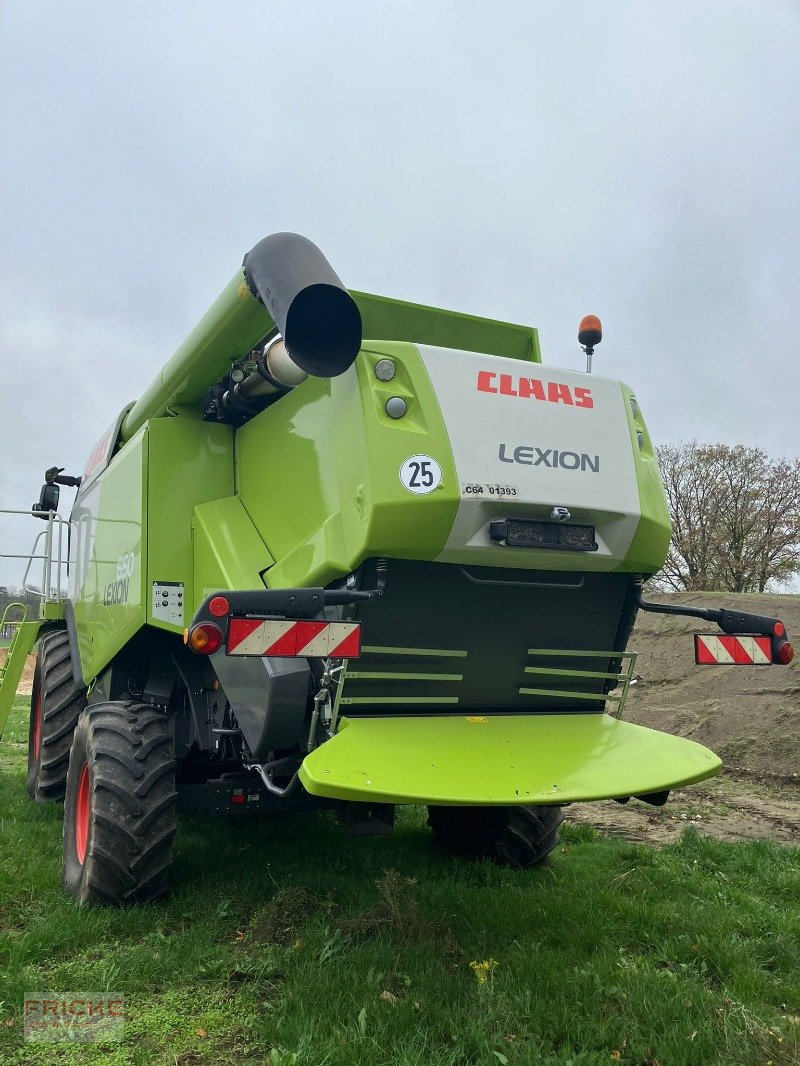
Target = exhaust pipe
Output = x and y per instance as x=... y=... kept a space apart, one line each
x=238 y=398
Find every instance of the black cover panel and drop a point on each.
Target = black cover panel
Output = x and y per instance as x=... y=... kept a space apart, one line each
x=268 y=698
x=494 y=615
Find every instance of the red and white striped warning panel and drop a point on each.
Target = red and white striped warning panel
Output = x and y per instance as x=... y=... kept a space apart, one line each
x=730 y=650
x=313 y=640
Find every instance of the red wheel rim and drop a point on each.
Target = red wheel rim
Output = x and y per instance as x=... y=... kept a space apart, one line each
x=37 y=726
x=82 y=814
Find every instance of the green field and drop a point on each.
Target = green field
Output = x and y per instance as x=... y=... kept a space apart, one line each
x=291 y=943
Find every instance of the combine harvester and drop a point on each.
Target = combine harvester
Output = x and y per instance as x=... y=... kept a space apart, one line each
x=309 y=570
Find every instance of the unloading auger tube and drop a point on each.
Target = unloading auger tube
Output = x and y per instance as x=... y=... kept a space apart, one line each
x=286 y=286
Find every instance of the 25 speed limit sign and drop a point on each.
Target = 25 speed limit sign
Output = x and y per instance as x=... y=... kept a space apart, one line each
x=421 y=474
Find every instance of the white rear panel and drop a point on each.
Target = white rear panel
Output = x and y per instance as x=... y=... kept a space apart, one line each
x=528 y=438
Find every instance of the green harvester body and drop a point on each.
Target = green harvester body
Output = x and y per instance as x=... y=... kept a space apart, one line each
x=447 y=473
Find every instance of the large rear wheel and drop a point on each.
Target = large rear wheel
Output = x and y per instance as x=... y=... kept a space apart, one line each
x=119 y=809
x=56 y=705
x=512 y=836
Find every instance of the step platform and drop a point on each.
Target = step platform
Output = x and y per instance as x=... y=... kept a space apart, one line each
x=500 y=759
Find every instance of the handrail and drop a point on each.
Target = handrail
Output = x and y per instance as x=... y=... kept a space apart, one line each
x=13 y=621
x=9 y=622
x=52 y=556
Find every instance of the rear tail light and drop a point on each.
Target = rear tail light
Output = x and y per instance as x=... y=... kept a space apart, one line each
x=785 y=653
x=205 y=638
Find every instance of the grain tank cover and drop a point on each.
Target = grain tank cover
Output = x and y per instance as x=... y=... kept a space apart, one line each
x=317 y=317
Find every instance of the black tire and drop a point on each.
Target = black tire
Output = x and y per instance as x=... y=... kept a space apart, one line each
x=512 y=836
x=119 y=810
x=56 y=705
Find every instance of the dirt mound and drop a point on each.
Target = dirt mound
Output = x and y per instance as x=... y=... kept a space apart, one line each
x=748 y=715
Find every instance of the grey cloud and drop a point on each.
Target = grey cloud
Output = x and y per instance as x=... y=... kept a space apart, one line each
x=527 y=161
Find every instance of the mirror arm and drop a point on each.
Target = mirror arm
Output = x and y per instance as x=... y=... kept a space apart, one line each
x=55 y=476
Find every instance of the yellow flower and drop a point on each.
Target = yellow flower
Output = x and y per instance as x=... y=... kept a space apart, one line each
x=482 y=969
x=616 y=1056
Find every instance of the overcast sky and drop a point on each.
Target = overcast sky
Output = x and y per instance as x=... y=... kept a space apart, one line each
x=637 y=159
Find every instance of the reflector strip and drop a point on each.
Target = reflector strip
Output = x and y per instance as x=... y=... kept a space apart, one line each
x=732 y=650
x=317 y=640
x=349 y=640
x=313 y=640
x=250 y=636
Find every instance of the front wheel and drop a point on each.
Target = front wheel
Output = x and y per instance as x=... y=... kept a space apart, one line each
x=119 y=807
x=512 y=836
x=56 y=705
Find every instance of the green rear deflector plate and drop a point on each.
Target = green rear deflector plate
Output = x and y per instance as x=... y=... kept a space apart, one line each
x=500 y=759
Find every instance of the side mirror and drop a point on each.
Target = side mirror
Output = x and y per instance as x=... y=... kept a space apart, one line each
x=48 y=500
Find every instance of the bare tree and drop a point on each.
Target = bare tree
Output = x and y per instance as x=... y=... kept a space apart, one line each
x=9 y=596
x=735 y=517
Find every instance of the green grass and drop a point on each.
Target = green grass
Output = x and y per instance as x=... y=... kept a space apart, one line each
x=290 y=943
